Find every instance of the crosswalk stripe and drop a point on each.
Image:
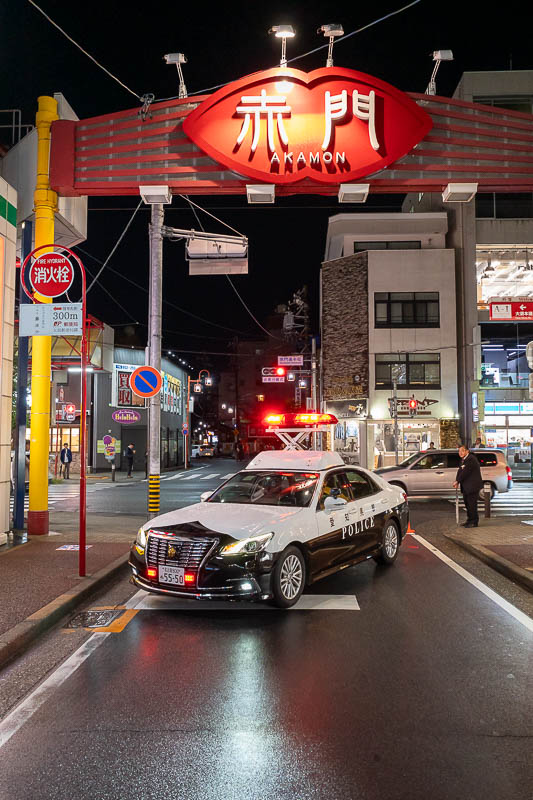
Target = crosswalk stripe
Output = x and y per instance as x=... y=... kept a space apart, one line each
x=211 y=475
x=189 y=477
x=229 y=475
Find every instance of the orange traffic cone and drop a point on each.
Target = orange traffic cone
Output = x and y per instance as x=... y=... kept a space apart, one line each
x=409 y=529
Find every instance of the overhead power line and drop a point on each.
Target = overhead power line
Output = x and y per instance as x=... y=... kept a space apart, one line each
x=104 y=265
x=309 y=52
x=93 y=59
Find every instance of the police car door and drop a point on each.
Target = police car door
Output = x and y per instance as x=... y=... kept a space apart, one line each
x=370 y=507
x=332 y=546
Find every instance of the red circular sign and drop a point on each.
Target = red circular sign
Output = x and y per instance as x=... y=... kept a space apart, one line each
x=51 y=274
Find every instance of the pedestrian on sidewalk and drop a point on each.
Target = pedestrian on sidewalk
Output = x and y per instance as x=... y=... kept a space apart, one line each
x=130 y=452
x=65 y=457
x=469 y=479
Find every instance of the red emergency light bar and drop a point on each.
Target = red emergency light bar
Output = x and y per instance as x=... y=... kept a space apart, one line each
x=302 y=419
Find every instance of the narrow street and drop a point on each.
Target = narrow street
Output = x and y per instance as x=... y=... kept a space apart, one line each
x=407 y=681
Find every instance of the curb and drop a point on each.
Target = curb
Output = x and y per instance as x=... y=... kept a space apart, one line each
x=18 y=638
x=500 y=564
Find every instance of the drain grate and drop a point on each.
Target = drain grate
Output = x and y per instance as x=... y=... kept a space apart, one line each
x=94 y=619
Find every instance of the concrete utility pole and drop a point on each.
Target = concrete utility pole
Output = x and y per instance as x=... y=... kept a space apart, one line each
x=154 y=357
x=45 y=204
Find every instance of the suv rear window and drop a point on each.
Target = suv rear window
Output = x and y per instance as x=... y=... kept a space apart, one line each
x=487 y=459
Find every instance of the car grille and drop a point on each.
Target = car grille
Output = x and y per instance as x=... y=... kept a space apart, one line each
x=190 y=552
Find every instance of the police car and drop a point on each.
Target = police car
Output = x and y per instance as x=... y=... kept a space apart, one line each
x=287 y=520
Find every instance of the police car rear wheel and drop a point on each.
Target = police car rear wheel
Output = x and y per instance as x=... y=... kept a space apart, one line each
x=288 y=578
x=389 y=544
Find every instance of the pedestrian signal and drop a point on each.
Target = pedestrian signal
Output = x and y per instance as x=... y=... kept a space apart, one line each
x=413 y=406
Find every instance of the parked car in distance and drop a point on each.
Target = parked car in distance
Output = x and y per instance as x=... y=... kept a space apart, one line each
x=434 y=471
x=195 y=451
x=206 y=451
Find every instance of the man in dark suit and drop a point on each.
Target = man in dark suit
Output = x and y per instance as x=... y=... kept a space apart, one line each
x=469 y=478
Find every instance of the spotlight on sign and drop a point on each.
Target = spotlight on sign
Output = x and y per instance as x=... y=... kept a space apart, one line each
x=283 y=32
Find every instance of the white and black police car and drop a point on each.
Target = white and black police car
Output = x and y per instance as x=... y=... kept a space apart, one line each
x=290 y=518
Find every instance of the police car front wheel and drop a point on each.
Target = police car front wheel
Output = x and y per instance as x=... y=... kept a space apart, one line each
x=288 y=578
x=389 y=544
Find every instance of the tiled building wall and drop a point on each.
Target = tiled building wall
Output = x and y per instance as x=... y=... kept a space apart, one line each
x=345 y=327
x=8 y=242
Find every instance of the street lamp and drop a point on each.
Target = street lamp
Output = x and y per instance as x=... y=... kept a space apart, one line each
x=178 y=59
x=330 y=32
x=197 y=384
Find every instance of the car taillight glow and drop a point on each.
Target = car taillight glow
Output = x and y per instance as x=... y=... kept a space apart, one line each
x=509 y=473
x=190 y=577
x=151 y=572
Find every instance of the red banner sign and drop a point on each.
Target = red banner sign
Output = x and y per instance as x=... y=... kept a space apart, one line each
x=333 y=125
x=51 y=275
x=517 y=311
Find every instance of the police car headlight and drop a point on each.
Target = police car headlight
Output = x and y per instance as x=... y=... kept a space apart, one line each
x=252 y=545
x=141 y=538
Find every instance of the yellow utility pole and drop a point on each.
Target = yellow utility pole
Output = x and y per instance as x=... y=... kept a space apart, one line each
x=45 y=204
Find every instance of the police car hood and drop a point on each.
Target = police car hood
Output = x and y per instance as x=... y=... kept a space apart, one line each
x=238 y=520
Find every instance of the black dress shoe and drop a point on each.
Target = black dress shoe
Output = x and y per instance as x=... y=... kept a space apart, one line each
x=470 y=525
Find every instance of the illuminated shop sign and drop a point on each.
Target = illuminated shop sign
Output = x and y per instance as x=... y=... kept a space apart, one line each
x=331 y=125
x=508 y=408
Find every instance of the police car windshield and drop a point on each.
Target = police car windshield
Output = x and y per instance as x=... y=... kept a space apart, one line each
x=268 y=489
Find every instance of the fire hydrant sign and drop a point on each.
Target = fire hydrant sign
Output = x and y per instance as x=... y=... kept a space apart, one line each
x=51 y=275
x=51 y=319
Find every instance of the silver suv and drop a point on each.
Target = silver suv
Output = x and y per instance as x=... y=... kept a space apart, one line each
x=434 y=471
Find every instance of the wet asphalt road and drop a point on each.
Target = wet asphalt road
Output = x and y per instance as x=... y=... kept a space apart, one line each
x=424 y=692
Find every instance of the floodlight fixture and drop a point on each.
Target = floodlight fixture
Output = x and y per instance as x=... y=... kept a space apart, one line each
x=283 y=32
x=260 y=193
x=155 y=195
x=331 y=31
x=438 y=56
x=178 y=59
x=353 y=192
x=459 y=192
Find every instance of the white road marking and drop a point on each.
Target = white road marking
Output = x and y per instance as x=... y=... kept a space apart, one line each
x=211 y=475
x=143 y=601
x=22 y=713
x=189 y=477
x=526 y=621
x=229 y=475
x=179 y=474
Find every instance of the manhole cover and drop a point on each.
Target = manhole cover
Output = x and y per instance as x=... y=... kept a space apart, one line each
x=93 y=619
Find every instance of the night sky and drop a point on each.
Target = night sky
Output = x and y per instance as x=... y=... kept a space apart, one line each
x=223 y=42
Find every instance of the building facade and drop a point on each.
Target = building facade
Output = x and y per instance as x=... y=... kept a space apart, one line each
x=390 y=279
x=8 y=246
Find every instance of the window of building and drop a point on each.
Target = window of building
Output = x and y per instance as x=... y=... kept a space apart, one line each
x=414 y=370
x=406 y=309
x=497 y=205
x=519 y=102
x=359 y=247
x=62 y=434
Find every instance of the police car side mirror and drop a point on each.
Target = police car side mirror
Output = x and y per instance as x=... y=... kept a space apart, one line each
x=331 y=503
x=205 y=496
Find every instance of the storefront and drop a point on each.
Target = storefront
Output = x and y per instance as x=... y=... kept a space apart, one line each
x=414 y=436
x=349 y=435
x=509 y=426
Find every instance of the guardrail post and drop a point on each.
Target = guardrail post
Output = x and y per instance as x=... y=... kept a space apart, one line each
x=487 y=491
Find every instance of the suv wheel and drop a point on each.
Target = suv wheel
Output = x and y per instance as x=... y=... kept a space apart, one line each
x=288 y=578
x=492 y=492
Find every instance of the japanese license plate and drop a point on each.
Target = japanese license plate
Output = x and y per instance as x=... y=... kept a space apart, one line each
x=174 y=575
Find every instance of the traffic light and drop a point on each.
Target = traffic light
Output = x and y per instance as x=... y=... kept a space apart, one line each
x=413 y=406
x=280 y=371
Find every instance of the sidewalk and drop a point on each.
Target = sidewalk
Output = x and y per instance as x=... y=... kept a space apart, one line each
x=504 y=543
x=40 y=583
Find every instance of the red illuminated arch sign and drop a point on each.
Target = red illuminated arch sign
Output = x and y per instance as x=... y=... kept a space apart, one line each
x=332 y=125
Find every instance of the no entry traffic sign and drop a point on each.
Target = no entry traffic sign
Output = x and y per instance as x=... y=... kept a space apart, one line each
x=145 y=381
x=51 y=274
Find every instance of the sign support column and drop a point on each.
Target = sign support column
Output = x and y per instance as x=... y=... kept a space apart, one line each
x=154 y=356
x=45 y=205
